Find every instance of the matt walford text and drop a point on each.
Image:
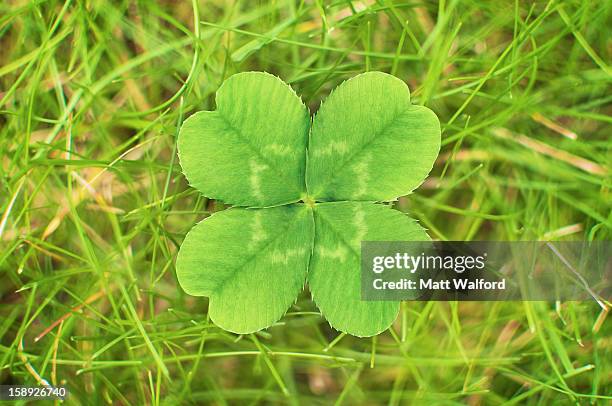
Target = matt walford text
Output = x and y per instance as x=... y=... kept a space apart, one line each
x=429 y=268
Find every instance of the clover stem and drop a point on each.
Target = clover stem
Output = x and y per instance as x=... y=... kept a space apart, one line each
x=308 y=200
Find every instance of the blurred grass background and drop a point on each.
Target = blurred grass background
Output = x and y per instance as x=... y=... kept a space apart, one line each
x=93 y=205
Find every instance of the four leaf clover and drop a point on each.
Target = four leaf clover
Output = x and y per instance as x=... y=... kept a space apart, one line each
x=305 y=195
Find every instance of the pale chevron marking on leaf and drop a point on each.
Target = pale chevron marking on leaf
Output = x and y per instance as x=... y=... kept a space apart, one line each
x=361 y=227
x=255 y=178
x=279 y=149
x=333 y=148
x=340 y=253
x=362 y=175
x=283 y=257
x=258 y=233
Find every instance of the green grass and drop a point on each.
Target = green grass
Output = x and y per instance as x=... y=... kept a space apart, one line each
x=93 y=205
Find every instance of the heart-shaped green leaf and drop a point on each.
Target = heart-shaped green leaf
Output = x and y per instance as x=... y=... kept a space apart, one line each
x=251 y=150
x=334 y=274
x=369 y=143
x=251 y=263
